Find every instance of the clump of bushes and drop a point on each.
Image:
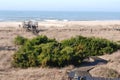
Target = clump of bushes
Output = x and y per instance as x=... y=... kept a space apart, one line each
x=42 y=51
x=92 y=46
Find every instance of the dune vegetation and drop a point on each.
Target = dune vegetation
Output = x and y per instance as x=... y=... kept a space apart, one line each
x=45 y=52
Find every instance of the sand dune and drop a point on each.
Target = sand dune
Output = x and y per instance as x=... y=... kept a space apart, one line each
x=59 y=30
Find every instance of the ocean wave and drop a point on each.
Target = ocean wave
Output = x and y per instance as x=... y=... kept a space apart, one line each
x=55 y=20
x=50 y=20
x=65 y=20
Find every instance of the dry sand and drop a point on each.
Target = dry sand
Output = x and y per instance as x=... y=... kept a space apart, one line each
x=59 y=30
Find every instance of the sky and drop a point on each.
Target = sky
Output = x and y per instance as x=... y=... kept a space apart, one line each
x=61 y=5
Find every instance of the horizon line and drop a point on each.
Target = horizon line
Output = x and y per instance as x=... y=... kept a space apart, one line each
x=61 y=10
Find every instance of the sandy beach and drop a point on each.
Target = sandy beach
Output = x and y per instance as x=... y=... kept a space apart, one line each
x=53 y=29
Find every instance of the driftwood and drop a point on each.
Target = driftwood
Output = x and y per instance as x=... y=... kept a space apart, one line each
x=31 y=26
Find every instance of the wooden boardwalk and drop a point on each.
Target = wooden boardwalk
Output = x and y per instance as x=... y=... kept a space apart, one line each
x=78 y=75
x=82 y=73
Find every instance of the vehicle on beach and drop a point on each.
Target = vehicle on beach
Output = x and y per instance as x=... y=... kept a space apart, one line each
x=31 y=26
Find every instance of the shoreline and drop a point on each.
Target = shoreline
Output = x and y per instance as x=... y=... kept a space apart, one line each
x=62 y=30
x=63 y=23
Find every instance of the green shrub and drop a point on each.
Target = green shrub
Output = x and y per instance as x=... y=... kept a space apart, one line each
x=26 y=58
x=92 y=46
x=47 y=55
x=41 y=39
x=42 y=51
x=19 y=40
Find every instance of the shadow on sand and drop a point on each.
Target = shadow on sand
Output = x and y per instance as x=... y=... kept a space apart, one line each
x=93 y=61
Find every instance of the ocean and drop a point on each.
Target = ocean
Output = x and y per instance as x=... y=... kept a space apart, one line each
x=57 y=15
